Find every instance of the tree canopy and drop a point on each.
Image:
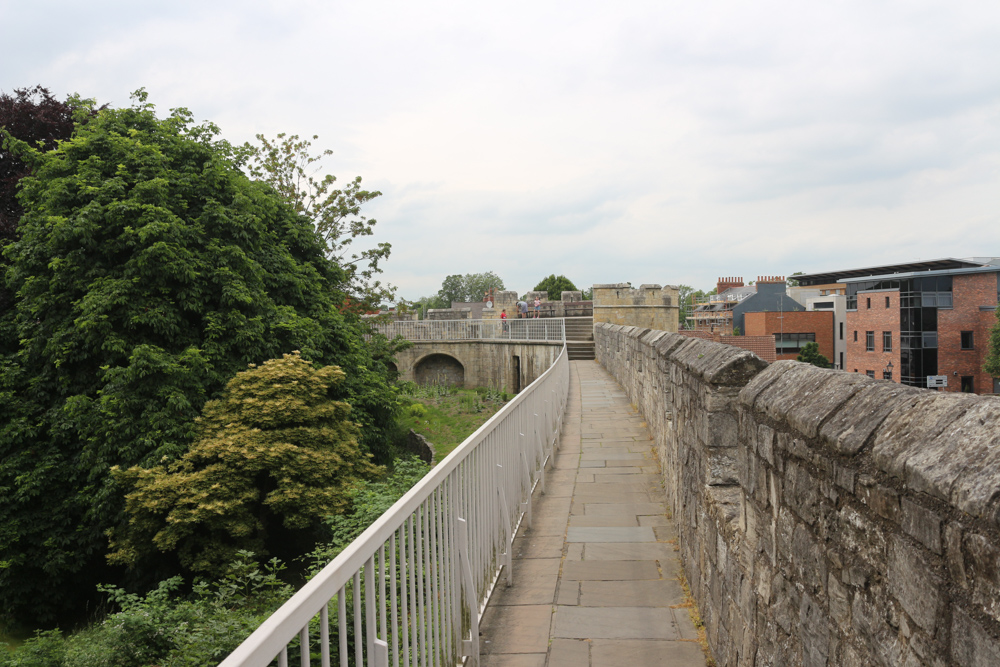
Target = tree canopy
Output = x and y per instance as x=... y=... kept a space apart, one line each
x=34 y=116
x=148 y=272
x=287 y=165
x=810 y=355
x=274 y=454
x=470 y=287
x=555 y=286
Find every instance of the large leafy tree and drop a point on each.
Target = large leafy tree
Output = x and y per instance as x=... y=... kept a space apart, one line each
x=149 y=271
x=470 y=287
x=287 y=163
x=555 y=285
x=34 y=116
x=273 y=457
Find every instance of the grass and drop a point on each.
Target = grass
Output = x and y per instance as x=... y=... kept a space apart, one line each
x=446 y=416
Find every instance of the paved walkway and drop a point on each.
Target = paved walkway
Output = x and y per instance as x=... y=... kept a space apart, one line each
x=595 y=577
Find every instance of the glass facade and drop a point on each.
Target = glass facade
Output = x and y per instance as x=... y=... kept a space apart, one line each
x=792 y=343
x=919 y=301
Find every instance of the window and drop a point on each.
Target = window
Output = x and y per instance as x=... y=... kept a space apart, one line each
x=855 y=335
x=792 y=343
x=869 y=300
x=841 y=331
x=886 y=302
x=967 y=341
x=968 y=384
x=886 y=375
x=822 y=305
x=870 y=374
x=869 y=341
x=887 y=341
x=841 y=360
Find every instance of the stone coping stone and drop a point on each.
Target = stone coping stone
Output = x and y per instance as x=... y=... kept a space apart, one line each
x=804 y=396
x=917 y=426
x=945 y=445
x=847 y=431
x=717 y=363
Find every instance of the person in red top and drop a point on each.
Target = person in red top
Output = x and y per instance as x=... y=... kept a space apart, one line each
x=503 y=319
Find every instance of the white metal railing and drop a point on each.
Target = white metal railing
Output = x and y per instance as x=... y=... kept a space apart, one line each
x=552 y=329
x=411 y=589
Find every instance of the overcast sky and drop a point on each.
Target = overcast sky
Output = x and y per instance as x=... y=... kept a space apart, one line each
x=651 y=142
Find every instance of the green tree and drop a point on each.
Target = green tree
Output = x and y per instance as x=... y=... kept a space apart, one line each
x=555 y=286
x=149 y=271
x=810 y=355
x=273 y=456
x=991 y=364
x=467 y=288
x=791 y=281
x=287 y=165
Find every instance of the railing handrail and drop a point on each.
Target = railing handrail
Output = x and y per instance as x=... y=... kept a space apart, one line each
x=259 y=649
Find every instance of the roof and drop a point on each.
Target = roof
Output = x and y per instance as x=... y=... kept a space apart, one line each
x=945 y=264
x=989 y=268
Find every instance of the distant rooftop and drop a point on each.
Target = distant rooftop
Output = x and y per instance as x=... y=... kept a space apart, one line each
x=948 y=263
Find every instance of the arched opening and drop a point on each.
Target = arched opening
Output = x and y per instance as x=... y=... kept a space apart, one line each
x=440 y=369
x=393 y=370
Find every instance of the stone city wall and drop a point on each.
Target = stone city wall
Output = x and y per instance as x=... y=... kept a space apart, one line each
x=825 y=518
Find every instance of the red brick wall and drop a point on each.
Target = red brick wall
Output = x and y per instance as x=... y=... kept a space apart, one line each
x=762 y=346
x=877 y=318
x=817 y=322
x=968 y=293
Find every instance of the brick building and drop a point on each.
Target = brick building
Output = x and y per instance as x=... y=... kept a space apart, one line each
x=930 y=321
x=790 y=331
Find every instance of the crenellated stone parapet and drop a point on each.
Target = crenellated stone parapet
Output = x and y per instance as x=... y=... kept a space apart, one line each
x=650 y=306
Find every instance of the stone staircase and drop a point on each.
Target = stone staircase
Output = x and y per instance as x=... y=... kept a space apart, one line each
x=580 y=338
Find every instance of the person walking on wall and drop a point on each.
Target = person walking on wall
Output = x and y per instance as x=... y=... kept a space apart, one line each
x=538 y=306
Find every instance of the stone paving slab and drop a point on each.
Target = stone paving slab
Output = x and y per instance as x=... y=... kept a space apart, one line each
x=662 y=593
x=515 y=629
x=595 y=577
x=658 y=551
x=596 y=570
x=637 y=534
x=614 y=623
x=617 y=652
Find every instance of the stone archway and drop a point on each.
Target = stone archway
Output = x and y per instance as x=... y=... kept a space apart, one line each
x=441 y=369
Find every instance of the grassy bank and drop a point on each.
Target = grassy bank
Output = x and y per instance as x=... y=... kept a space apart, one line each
x=446 y=416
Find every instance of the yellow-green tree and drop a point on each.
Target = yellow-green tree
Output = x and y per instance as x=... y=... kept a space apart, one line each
x=274 y=454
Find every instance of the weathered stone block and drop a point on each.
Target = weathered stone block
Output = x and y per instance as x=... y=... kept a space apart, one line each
x=912 y=429
x=971 y=646
x=922 y=524
x=815 y=633
x=915 y=583
x=839 y=599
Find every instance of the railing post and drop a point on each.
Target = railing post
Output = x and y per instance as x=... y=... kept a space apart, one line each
x=526 y=505
x=381 y=654
x=470 y=647
x=539 y=438
x=508 y=538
